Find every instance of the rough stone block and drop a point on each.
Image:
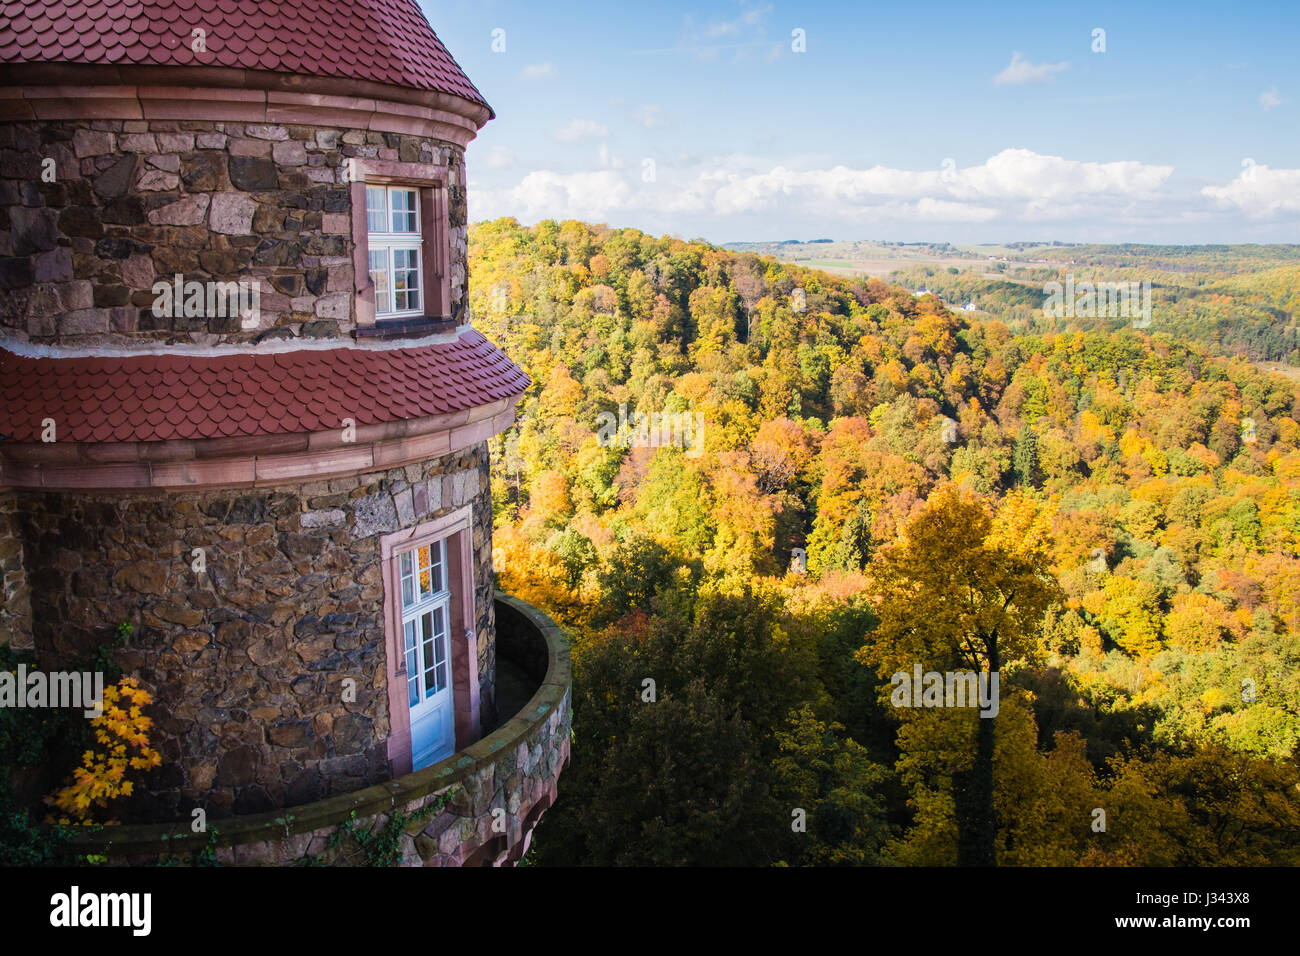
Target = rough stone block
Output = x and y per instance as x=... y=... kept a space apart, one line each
x=374 y=514
x=83 y=322
x=231 y=214
x=156 y=180
x=405 y=504
x=243 y=146
x=334 y=306
x=188 y=211
x=291 y=153
x=168 y=162
x=267 y=132
x=336 y=224
x=53 y=266
x=138 y=143
x=91 y=143
x=176 y=142
x=318 y=519
x=252 y=173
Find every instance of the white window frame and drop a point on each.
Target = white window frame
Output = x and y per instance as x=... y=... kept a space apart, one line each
x=422 y=601
x=388 y=243
x=453 y=534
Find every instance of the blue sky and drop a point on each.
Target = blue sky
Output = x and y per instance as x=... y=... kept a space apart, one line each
x=945 y=121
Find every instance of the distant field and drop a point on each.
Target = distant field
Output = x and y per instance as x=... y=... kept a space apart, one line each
x=826 y=263
x=879 y=259
x=1289 y=371
x=883 y=268
x=1235 y=299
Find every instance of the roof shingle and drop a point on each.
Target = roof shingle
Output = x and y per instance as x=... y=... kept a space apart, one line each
x=382 y=41
x=148 y=398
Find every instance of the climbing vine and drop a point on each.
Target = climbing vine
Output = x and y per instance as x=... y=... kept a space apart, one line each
x=362 y=843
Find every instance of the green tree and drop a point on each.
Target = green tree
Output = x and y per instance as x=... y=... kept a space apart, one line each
x=1024 y=460
x=833 y=783
x=963 y=590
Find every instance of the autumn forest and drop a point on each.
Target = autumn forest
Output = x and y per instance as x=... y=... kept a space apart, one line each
x=876 y=484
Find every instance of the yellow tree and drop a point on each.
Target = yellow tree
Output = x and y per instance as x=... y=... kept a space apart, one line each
x=964 y=589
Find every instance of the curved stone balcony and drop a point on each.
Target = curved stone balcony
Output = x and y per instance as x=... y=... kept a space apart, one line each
x=493 y=791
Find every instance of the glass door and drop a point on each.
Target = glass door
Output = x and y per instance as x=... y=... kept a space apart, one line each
x=426 y=635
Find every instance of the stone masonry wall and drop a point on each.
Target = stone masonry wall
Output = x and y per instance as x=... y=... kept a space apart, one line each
x=478 y=807
x=499 y=790
x=247 y=659
x=15 y=607
x=133 y=202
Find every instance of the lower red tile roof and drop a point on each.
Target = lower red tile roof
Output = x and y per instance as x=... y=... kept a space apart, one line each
x=146 y=398
x=384 y=41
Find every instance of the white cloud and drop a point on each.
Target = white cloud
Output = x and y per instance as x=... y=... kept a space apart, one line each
x=584 y=195
x=578 y=129
x=1013 y=175
x=1259 y=192
x=1270 y=99
x=940 y=210
x=1012 y=185
x=749 y=19
x=741 y=35
x=651 y=116
x=607 y=159
x=1021 y=174
x=539 y=71
x=499 y=157
x=1020 y=71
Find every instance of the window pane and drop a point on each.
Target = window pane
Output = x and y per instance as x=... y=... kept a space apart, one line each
x=412 y=664
x=376 y=214
x=405 y=210
x=436 y=570
x=440 y=636
x=435 y=649
x=408 y=581
x=430 y=678
x=422 y=557
x=406 y=279
x=440 y=651
x=379 y=276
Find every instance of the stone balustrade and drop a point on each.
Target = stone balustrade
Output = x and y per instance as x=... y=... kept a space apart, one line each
x=497 y=788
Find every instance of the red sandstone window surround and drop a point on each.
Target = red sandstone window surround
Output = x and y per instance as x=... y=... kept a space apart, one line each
x=430 y=627
x=395 y=246
x=399 y=213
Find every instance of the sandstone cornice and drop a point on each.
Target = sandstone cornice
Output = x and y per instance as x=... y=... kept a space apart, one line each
x=247 y=461
x=65 y=91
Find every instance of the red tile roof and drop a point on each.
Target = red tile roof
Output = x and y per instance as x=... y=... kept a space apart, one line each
x=383 y=41
x=191 y=397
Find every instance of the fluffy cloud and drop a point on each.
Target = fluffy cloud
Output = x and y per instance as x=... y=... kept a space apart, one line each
x=651 y=116
x=542 y=194
x=1259 y=192
x=1015 y=184
x=740 y=36
x=499 y=157
x=578 y=129
x=1270 y=99
x=1011 y=176
x=539 y=71
x=1020 y=71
